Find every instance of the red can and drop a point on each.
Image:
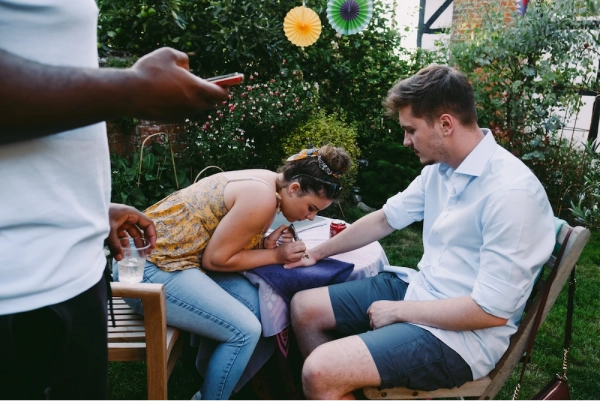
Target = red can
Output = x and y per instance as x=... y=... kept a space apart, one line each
x=336 y=227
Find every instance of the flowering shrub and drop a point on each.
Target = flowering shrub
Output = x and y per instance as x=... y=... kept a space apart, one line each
x=245 y=131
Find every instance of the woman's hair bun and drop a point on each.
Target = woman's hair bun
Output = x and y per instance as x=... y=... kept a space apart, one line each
x=336 y=158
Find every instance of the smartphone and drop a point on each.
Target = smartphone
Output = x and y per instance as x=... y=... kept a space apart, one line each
x=235 y=78
x=292 y=230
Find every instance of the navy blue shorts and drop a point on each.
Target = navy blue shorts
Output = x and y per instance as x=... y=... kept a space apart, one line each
x=405 y=355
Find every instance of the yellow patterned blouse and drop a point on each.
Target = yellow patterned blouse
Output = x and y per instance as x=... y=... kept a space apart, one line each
x=186 y=220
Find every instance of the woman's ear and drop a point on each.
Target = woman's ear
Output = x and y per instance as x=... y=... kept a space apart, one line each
x=293 y=188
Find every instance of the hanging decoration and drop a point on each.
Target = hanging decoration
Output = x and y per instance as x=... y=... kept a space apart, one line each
x=348 y=17
x=522 y=6
x=302 y=26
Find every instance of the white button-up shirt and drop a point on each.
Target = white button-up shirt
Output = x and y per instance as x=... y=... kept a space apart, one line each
x=487 y=229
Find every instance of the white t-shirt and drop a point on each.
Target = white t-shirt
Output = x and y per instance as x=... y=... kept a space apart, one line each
x=54 y=191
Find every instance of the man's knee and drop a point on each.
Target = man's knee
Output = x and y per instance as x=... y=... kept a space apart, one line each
x=298 y=307
x=311 y=308
x=314 y=375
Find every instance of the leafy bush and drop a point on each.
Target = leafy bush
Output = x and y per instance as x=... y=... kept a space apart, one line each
x=391 y=168
x=219 y=36
x=527 y=73
x=352 y=72
x=322 y=129
x=245 y=131
x=585 y=204
x=159 y=174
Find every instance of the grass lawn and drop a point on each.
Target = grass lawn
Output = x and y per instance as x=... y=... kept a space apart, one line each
x=404 y=248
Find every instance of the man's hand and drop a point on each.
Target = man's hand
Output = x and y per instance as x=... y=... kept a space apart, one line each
x=128 y=220
x=305 y=261
x=167 y=91
x=383 y=313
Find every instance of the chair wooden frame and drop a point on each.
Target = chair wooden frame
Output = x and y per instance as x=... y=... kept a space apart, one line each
x=487 y=387
x=144 y=338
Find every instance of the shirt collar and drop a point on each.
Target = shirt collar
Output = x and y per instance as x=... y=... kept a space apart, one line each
x=476 y=161
x=471 y=167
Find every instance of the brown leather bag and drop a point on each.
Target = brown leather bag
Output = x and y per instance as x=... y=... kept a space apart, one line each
x=558 y=387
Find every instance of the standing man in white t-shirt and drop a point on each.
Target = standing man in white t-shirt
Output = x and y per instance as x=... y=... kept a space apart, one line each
x=55 y=210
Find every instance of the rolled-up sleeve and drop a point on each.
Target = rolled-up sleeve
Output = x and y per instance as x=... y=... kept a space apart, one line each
x=407 y=206
x=518 y=237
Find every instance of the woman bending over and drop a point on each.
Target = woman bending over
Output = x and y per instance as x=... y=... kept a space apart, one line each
x=216 y=227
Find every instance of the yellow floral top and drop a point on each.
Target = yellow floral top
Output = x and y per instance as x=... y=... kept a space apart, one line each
x=186 y=220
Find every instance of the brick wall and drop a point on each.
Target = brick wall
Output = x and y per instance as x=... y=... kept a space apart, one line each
x=468 y=14
x=126 y=140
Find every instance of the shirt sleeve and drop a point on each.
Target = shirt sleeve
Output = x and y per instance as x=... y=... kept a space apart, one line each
x=518 y=238
x=407 y=206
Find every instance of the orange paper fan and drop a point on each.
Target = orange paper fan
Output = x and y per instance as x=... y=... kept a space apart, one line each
x=302 y=26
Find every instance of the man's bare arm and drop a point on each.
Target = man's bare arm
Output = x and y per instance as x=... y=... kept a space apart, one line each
x=367 y=229
x=460 y=314
x=38 y=100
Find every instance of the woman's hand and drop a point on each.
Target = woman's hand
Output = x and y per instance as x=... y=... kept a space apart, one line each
x=290 y=252
x=270 y=241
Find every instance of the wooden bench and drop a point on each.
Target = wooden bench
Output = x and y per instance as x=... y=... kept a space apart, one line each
x=487 y=387
x=144 y=338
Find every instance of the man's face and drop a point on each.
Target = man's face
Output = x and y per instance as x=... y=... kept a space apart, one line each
x=426 y=141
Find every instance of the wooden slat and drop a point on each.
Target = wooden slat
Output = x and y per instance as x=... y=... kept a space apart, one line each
x=119 y=329
x=121 y=352
x=127 y=337
x=127 y=341
x=469 y=389
x=129 y=316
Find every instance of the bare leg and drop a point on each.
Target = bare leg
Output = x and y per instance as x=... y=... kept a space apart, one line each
x=312 y=319
x=335 y=369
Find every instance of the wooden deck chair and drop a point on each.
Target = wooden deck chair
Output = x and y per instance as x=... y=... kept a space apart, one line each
x=144 y=338
x=487 y=387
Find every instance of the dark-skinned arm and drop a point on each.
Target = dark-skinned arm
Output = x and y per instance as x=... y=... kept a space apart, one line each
x=38 y=100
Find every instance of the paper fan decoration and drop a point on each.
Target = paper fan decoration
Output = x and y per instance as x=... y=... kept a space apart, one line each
x=302 y=26
x=349 y=16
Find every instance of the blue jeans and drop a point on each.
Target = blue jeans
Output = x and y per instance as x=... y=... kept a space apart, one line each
x=223 y=307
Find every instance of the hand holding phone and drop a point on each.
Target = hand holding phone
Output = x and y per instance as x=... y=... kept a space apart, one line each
x=235 y=78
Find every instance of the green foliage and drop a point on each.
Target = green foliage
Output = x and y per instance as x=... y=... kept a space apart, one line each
x=244 y=131
x=527 y=73
x=355 y=72
x=322 y=129
x=348 y=75
x=390 y=169
x=586 y=210
x=142 y=184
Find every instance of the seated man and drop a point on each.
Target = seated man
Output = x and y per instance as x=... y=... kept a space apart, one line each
x=487 y=230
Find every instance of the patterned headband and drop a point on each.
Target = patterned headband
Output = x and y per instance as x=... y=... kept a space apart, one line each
x=313 y=152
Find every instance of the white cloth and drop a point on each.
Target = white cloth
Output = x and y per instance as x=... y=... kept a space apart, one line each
x=56 y=189
x=274 y=311
x=487 y=229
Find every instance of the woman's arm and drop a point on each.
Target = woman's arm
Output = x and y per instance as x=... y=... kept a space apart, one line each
x=252 y=210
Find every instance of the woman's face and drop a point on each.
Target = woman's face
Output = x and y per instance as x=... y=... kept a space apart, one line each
x=296 y=205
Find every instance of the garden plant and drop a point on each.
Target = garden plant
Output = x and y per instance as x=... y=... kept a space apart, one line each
x=528 y=73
